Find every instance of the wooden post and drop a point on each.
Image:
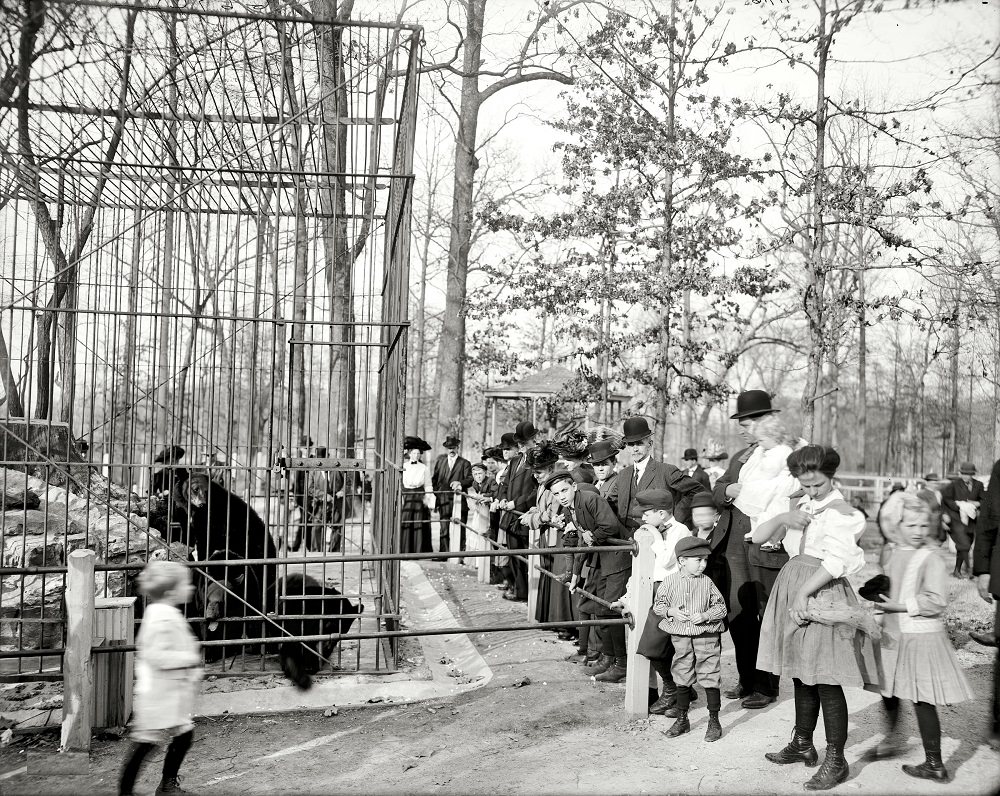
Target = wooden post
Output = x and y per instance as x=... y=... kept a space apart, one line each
x=455 y=531
x=641 y=591
x=533 y=574
x=78 y=675
x=114 y=622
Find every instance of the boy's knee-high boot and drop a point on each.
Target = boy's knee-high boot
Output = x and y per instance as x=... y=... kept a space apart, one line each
x=930 y=734
x=669 y=696
x=834 y=769
x=800 y=748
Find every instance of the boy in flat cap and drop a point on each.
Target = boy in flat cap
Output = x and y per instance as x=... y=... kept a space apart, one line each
x=693 y=613
x=655 y=644
x=593 y=520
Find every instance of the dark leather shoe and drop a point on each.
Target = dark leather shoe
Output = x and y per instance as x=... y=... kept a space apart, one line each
x=929 y=769
x=663 y=704
x=714 y=730
x=833 y=771
x=679 y=727
x=615 y=673
x=600 y=666
x=757 y=700
x=508 y=595
x=799 y=750
x=737 y=692
x=983 y=638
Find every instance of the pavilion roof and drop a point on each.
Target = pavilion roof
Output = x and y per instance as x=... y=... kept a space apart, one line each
x=542 y=383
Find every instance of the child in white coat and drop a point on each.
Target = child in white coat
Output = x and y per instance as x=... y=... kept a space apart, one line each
x=168 y=670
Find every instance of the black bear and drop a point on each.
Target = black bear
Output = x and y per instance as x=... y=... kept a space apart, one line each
x=300 y=660
x=221 y=526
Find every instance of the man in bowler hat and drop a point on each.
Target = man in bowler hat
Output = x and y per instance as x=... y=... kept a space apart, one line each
x=691 y=468
x=520 y=495
x=646 y=473
x=452 y=473
x=961 y=500
x=756 y=688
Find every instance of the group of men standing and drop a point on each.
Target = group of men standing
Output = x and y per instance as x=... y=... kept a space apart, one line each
x=602 y=510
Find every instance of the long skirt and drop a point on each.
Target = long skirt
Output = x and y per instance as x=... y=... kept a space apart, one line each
x=415 y=533
x=814 y=653
x=560 y=606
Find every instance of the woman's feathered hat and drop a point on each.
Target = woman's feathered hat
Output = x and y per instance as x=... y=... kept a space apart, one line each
x=542 y=455
x=572 y=445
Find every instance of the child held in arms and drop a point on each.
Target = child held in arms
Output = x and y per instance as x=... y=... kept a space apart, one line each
x=693 y=612
x=168 y=670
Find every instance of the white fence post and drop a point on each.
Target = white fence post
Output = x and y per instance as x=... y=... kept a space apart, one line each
x=455 y=528
x=78 y=673
x=641 y=591
x=533 y=573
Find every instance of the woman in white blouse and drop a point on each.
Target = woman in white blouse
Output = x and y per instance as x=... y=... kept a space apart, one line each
x=821 y=659
x=765 y=479
x=418 y=499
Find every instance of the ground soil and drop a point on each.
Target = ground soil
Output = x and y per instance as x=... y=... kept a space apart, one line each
x=560 y=733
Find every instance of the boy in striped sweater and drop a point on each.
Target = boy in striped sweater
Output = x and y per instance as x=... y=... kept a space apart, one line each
x=693 y=612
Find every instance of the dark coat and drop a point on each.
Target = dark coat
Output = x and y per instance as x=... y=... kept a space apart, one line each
x=657 y=475
x=441 y=480
x=522 y=488
x=700 y=476
x=986 y=553
x=593 y=513
x=957 y=490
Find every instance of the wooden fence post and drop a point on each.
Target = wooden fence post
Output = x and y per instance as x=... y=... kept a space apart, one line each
x=533 y=574
x=641 y=591
x=455 y=528
x=78 y=675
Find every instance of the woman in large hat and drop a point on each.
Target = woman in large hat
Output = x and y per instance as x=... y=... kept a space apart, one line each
x=418 y=499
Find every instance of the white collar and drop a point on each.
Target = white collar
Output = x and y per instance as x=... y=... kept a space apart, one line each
x=641 y=465
x=816 y=505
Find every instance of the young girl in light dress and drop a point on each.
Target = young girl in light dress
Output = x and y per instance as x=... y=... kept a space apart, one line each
x=168 y=671
x=918 y=661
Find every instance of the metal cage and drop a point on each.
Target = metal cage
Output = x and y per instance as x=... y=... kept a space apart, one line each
x=204 y=242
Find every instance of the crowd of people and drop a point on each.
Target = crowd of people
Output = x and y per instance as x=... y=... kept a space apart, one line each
x=760 y=545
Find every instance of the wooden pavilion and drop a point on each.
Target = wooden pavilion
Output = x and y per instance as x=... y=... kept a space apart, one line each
x=545 y=383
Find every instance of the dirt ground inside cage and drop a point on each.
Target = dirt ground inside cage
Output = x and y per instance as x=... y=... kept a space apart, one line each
x=558 y=732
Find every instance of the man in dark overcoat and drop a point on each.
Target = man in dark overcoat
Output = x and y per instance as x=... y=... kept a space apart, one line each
x=691 y=468
x=745 y=594
x=521 y=494
x=986 y=569
x=961 y=527
x=646 y=473
x=452 y=473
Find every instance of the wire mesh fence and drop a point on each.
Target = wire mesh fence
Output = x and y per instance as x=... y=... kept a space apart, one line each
x=204 y=226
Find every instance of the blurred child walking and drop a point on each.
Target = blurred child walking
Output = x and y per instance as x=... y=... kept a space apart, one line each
x=168 y=670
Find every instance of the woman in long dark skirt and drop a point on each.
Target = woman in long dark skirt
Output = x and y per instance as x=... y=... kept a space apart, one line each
x=418 y=499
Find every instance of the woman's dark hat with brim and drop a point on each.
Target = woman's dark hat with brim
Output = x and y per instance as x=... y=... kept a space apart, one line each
x=753 y=403
x=495 y=453
x=451 y=442
x=542 y=457
x=601 y=452
x=415 y=442
x=635 y=429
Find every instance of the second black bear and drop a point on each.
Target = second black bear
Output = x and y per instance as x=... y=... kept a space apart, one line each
x=299 y=659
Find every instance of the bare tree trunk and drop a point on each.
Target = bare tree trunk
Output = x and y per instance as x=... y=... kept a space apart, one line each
x=816 y=276
x=413 y=418
x=862 y=402
x=451 y=356
x=956 y=347
x=14 y=406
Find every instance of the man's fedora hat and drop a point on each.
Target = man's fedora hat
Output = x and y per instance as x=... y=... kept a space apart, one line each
x=690 y=453
x=635 y=429
x=525 y=430
x=451 y=442
x=601 y=452
x=753 y=403
x=967 y=468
